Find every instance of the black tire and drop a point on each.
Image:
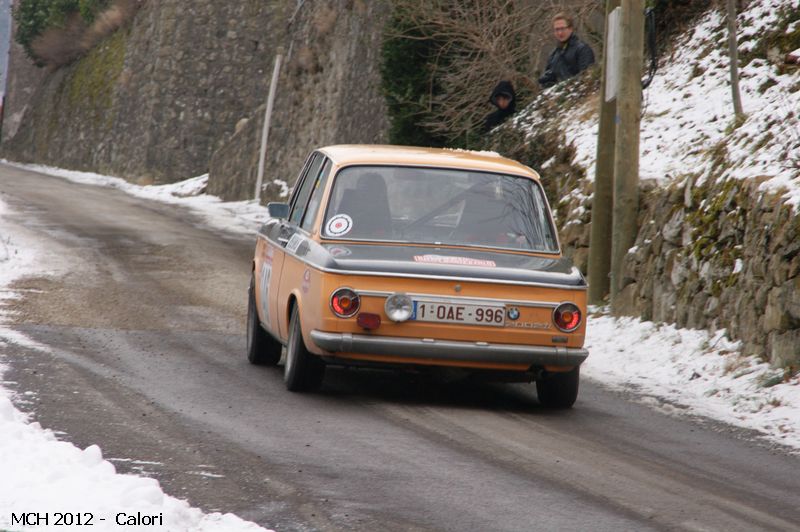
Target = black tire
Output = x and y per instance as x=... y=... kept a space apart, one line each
x=303 y=371
x=559 y=390
x=262 y=348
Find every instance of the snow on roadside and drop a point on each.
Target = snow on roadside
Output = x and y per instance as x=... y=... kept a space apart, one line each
x=242 y=217
x=702 y=374
x=43 y=475
x=17 y=258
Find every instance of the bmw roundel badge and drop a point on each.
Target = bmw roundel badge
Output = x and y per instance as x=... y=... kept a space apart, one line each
x=513 y=313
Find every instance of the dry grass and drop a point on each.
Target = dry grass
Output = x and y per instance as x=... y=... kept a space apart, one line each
x=57 y=47
x=306 y=59
x=324 y=21
x=60 y=46
x=117 y=15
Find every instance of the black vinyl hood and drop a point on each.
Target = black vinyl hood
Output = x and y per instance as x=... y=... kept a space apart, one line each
x=446 y=262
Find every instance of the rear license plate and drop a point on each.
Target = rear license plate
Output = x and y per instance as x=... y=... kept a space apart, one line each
x=492 y=315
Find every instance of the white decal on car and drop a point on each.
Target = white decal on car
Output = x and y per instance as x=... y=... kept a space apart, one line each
x=339 y=251
x=294 y=243
x=339 y=225
x=455 y=261
x=266 y=274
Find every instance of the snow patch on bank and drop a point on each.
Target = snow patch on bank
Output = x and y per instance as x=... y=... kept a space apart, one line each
x=19 y=257
x=689 y=124
x=703 y=374
x=42 y=474
x=243 y=217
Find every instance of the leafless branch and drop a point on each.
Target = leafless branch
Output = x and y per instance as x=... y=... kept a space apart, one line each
x=482 y=42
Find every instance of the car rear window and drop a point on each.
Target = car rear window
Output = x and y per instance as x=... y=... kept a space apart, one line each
x=439 y=206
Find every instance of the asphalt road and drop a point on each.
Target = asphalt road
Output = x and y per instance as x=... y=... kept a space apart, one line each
x=145 y=320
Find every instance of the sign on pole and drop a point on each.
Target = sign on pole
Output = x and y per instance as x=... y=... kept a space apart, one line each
x=613 y=64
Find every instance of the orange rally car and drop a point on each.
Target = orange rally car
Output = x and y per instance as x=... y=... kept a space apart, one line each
x=414 y=257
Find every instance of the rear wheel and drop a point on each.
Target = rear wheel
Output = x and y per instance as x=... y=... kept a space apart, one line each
x=303 y=370
x=262 y=348
x=558 y=390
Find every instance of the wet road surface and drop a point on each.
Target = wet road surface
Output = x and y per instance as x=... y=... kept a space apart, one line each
x=144 y=317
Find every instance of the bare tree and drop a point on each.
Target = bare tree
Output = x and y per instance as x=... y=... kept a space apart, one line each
x=480 y=43
x=733 y=51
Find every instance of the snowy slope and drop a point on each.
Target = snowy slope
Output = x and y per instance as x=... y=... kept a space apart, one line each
x=688 y=113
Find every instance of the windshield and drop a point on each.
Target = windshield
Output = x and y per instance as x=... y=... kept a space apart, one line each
x=439 y=206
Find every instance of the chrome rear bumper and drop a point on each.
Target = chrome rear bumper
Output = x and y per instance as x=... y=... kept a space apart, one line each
x=449 y=350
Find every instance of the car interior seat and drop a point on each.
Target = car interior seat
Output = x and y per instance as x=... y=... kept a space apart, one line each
x=483 y=217
x=368 y=206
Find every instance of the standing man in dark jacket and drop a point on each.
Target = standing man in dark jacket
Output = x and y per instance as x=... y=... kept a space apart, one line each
x=571 y=57
x=505 y=99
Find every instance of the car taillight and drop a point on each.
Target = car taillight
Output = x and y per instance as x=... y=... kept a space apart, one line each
x=567 y=317
x=345 y=303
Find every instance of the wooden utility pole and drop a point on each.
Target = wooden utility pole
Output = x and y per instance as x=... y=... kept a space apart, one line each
x=626 y=160
x=603 y=201
x=733 y=52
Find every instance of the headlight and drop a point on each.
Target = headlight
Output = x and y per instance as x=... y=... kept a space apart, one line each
x=399 y=307
x=567 y=317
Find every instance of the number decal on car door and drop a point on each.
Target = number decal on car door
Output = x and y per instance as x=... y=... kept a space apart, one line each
x=266 y=275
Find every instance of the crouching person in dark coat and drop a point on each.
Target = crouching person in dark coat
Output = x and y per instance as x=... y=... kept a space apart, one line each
x=505 y=99
x=571 y=57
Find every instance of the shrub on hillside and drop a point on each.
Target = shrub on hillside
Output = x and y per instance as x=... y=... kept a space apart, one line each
x=441 y=59
x=675 y=16
x=90 y=8
x=407 y=83
x=51 y=31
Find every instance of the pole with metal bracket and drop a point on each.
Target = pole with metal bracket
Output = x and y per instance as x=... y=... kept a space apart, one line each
x=273 y=87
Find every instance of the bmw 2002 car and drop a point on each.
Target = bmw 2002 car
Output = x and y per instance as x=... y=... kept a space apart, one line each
x=414 y=257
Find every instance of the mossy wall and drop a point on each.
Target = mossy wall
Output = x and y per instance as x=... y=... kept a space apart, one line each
x=329 y=93
x=711 y=256
x=91 y=84
x=71 y=106
x=153 y=102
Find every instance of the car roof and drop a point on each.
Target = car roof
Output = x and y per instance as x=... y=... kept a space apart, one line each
x=347 y=154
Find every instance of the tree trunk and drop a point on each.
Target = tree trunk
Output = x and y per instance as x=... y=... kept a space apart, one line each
x=626 y=163
x=603 y=201
x=733 y=52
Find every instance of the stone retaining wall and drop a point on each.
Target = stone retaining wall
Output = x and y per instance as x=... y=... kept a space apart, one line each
x=720 y=256
x=329 y=93
x=154 y=101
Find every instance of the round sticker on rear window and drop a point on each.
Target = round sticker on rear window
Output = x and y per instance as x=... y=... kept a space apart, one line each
x=339 y=225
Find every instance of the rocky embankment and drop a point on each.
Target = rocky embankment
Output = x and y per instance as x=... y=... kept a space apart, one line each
x=710 y=257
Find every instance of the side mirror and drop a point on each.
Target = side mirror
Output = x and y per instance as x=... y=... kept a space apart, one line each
x=278 y=210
